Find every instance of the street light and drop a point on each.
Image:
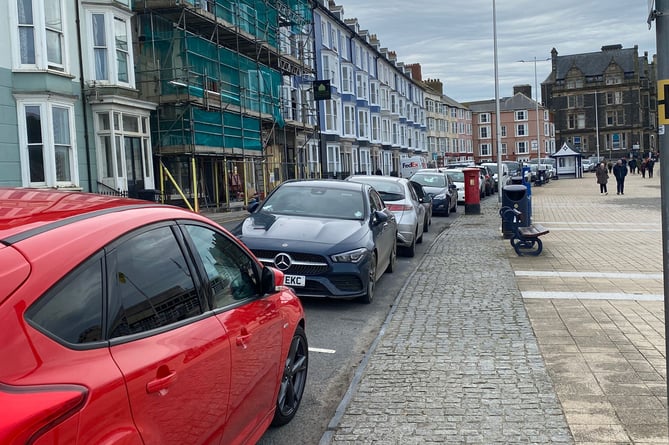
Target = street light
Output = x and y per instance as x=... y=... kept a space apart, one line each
x=536 y=103
x=497 y=108
x=597 y=124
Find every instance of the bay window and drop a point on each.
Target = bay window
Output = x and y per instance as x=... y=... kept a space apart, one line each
x=47 y=142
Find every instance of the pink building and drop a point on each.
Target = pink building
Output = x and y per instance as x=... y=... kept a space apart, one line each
x=527 y=131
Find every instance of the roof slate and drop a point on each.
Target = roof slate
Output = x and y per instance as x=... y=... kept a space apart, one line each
x=595 y=63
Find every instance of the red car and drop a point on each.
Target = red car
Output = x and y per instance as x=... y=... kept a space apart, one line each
x=128 y=322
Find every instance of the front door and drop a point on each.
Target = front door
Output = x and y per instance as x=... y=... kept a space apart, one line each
x=133 y=165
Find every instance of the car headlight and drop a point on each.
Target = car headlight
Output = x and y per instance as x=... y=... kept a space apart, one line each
x=352 y=256
x=440 y=196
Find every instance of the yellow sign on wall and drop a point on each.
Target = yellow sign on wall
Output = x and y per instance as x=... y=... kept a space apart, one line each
x=662 y=98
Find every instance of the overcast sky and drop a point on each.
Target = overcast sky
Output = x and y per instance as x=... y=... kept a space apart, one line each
x=453 y=39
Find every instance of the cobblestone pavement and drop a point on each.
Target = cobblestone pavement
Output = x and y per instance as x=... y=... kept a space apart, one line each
x=484 y=347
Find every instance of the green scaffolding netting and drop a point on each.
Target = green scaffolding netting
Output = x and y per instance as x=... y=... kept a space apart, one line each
x=185 y=65
x=260 y=18
x=195 y=126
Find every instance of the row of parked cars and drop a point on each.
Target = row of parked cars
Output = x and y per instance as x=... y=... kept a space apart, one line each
x=148 y=323
x=174 y=330
x=336 y=238
x=133 y=322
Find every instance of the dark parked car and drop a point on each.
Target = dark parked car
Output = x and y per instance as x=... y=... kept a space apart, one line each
x=488 y=180
x=125 y=321
x=441 y=189
x=330 y=238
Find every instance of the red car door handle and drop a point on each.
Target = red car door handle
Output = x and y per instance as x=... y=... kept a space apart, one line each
x=242 y=340
x=161 y=383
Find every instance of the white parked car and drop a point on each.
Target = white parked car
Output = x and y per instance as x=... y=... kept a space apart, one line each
x=458 y=178
x=506 y=176
x=587 y=165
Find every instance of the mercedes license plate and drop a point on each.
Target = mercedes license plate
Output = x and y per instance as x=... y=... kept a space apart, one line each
x=294 y=280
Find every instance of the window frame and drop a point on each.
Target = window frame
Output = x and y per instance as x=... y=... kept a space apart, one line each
x=524 y=131
x=349 y=120
x=363 y=124
x=46 y=105
x=115 y=152
x=112 y=251
x=40 y=50
x=331 y=115
x=202 y=269
x=522 y=147
x=111 y=16
x=347 y=74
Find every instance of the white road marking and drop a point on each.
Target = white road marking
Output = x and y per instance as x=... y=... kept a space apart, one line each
x=324 y=351
x=595 y=229
x=612 y=275
x=590 y=296
x=593 y=223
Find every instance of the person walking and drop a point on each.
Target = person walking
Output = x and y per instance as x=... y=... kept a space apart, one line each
x=649 y=166
x=602 y=174
x=644 y=164
x=620 y=171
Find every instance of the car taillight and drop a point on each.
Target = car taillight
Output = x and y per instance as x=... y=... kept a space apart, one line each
x=28 y=412
x=398 y=207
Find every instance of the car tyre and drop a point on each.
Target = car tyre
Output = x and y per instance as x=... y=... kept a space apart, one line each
x=393 y=257
x=294 y=379
x=447 y=213
x=371 y=281
x=410 y=251
x=419 y=239
x=426 y=223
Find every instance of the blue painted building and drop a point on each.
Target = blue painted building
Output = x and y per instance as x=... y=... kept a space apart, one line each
x=376 y=114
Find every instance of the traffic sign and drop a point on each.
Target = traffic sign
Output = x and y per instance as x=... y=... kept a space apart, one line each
x=662 y=98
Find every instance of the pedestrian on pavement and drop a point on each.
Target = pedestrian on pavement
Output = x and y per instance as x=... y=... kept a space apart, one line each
x=609 y=166
x=632 y=166
x=602 y=178
x=649 y=166
x=644 y=164
x=620 y=171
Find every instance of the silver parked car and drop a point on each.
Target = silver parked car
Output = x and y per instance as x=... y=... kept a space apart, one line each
x=401 y=199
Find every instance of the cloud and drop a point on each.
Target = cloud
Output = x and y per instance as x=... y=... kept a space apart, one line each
x=453 y=40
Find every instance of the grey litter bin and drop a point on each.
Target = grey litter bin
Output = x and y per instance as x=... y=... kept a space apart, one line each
x=516 y=180
x=516 y=197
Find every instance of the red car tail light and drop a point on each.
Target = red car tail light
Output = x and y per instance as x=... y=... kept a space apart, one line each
x=28 y=412
x=398 y=207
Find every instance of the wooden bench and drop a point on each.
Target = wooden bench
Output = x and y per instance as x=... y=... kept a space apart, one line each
x=525 y=239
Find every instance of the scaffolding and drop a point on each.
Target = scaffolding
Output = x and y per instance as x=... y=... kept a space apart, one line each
x=218 y=71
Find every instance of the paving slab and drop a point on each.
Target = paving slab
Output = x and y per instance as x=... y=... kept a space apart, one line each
x=568 y=349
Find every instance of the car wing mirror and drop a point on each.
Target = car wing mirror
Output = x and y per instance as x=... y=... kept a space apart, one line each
x=379 y=217
x=253 y=206
x=271 y=279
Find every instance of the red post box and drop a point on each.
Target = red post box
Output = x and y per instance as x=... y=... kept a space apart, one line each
x=472 y=191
